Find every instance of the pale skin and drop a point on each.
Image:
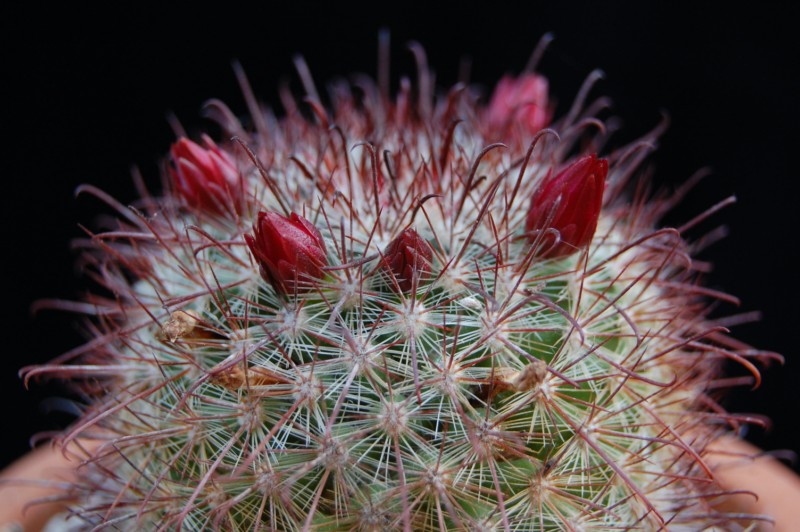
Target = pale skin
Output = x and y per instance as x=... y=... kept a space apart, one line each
x=778 y=488
x=37 y=475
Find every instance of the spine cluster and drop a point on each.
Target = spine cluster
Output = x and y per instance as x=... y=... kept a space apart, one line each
x=418 y=313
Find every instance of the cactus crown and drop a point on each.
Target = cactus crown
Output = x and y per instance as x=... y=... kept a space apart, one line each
x=400 y=346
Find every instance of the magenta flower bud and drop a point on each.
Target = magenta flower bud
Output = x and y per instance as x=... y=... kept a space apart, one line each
x=522 y=100
x=290 y=251
x=568 y=202
x=206 y=178
x=408 y=256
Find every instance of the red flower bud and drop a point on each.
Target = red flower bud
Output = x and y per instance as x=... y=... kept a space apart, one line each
x=290 y=251
x=407 y=256
x=205 y=178
x=522 y=100
x=569 y=202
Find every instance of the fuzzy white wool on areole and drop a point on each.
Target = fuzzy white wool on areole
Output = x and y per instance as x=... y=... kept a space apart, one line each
x=492 y=373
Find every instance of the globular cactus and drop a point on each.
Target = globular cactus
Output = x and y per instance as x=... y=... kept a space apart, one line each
x=421 y=313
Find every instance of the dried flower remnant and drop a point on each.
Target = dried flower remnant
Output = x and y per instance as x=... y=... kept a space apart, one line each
x=569 y=203
x=274 y=371
x=179 y=325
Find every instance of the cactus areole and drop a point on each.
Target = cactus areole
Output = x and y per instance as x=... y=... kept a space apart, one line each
x=435 y=310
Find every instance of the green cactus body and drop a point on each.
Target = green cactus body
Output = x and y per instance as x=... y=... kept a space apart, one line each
x=496 y=387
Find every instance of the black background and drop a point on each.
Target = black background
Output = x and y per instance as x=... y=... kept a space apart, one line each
x=90 y=90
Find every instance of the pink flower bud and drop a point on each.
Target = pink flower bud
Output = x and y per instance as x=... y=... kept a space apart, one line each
x=407 y=256
x=520 y=100
x=206 y=178
x=290 y=251
x=568 y=202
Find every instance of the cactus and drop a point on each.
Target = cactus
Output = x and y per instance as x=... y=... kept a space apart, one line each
x=418 y=313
